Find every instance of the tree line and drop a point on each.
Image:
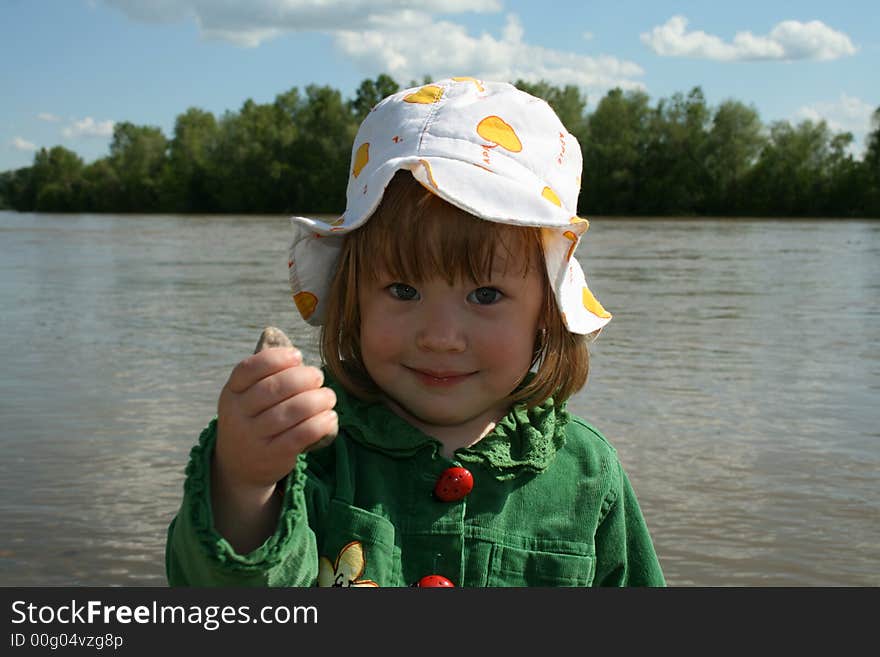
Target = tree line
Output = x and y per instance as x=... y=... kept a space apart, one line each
x=678 y=156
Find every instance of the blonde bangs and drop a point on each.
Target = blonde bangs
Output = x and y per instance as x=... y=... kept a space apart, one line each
x=415 y=236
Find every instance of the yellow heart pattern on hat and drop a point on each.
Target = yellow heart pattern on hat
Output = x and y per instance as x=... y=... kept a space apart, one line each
x=426 y=95
x=306 y=302
x=495 y=130
x=551 y=196
x=592 y=304
x=361 y=157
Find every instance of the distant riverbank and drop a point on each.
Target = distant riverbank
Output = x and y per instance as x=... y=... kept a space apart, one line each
x=676 y=156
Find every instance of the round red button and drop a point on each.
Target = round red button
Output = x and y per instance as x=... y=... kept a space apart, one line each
x=434 y=581
x=453 y=484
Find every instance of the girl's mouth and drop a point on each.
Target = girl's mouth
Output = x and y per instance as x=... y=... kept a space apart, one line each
x=440 y=378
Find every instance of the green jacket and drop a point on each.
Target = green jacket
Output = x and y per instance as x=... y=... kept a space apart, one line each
x=550 y=506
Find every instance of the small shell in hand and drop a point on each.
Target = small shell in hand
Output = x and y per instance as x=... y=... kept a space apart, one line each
x=274 y=337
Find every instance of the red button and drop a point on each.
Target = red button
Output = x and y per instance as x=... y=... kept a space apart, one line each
x=454 y=484
x=434 y=580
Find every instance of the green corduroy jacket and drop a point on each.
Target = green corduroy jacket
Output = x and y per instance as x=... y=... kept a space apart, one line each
x=550 y=506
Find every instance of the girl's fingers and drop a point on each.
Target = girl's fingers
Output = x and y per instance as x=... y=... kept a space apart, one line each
x=294 y=411
x=274 y=389
x=261 y=365
x=287 y=445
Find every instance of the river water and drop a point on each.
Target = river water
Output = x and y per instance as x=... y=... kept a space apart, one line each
x=739 y=381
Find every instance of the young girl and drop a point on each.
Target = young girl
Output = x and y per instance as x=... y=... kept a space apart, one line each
x=455 y=322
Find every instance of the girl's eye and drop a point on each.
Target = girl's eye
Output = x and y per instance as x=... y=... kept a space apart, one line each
x=403 y=292
x=485 y=296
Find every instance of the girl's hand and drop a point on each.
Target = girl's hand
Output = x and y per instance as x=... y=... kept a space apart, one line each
x=271 y=409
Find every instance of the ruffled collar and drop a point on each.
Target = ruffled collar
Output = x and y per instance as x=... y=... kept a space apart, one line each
x=525 y=440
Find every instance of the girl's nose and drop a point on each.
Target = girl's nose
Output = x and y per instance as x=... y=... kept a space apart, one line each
x=441 y=331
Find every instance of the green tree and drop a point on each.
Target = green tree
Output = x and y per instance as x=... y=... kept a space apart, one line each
x=186 y=176
x=613 y=152
x=872 y=152
x=251 y=162
x=15 y=190
x=289 y=104
x=7 y=181
x=369 y=93
x=101 y=188
x=871 y=169
x=732 y=147
x=322 y=150
x=674 y=172
x=138 y=155
x=53 y=182
x=792 y=173
x=842 y=184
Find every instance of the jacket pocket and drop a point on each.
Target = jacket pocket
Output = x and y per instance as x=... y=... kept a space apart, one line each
x=357 y=549
x=511 y=566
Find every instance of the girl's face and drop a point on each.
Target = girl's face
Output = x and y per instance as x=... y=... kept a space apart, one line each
x=447 y=355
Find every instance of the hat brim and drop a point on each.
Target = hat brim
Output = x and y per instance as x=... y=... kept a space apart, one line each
x=474 y=189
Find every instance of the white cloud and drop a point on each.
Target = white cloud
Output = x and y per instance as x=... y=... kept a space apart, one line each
x=405 y=38
x=46 y=116
x=847 y=114
x=407 y=54
x=20 y=144
x=813 y=40
x=788 y=40
x=250 y=23
x=88 y=127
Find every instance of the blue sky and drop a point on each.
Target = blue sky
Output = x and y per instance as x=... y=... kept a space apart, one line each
x=71 y=68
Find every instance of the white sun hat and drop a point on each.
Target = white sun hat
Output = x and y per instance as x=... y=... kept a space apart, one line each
x=488 y=148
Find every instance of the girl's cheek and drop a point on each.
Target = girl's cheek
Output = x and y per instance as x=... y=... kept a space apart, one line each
x=384 y=335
